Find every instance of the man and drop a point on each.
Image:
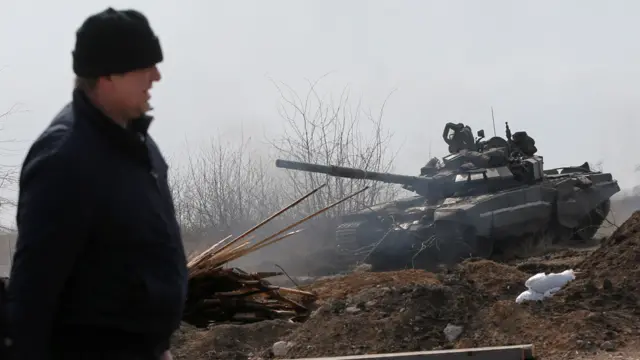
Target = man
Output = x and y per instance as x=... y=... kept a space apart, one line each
x=461 y=139
x=99 y=269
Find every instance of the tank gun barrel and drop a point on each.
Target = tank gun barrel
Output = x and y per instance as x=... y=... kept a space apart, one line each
x=352 y=173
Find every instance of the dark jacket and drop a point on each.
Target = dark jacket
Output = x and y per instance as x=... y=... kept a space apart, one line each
x=99 y=261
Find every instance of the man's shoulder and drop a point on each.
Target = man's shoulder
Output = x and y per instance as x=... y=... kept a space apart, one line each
x=57 y=144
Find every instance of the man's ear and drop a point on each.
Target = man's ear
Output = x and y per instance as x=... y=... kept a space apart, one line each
x=107 y=80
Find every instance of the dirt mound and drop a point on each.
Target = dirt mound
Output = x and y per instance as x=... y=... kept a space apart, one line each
x=498 y=280
x=618 y=257
x=229 y=341
x=404 y=317
x=598 y=310
x=480 y=297
x=409 y=310
x=557 y=261
x=609 y=278
x=402 y=310
x=340 y=286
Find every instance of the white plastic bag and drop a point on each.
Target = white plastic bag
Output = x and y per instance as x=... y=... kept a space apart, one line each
x=542 y=282
x=529 y=295
x=541 y=285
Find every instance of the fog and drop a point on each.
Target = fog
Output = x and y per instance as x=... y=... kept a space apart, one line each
x=564 y=71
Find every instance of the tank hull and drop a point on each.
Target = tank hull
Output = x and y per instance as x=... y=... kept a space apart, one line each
x=518 y=222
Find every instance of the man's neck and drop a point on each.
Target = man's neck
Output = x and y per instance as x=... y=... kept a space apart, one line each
x=108 y=110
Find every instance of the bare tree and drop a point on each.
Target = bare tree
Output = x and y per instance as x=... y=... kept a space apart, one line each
x=333 y=132
x=597 y=165
x=9 y=173
x=223 y=188
x=9 y=176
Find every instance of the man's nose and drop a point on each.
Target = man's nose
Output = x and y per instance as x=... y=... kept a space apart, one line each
x=155 y=74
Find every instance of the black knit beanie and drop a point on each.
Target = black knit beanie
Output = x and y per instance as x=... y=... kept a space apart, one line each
x=115 y=42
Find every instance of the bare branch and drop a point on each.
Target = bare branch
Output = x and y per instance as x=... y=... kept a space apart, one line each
x=330 y=131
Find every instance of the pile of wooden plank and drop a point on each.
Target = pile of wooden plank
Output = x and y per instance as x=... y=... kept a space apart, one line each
x=219 y=294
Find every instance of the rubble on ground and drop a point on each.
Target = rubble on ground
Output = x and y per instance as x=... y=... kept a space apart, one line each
x=471 y=305
x=230 y=341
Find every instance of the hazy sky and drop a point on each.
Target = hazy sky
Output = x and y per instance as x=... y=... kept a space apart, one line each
x=567 y=72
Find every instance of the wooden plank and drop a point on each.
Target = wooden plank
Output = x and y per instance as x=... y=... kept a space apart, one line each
x=515 y=352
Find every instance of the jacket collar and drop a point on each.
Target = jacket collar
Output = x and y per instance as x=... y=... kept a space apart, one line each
x=84 y=105
x=131 y=139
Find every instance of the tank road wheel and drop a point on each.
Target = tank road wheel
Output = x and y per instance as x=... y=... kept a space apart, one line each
x=355 y=240
x=453 y=243
x=393 y=252
x=403 y=249
x=591 y=223
x=526 y=245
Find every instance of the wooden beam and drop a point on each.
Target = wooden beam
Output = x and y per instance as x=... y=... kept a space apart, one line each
x=515 y=352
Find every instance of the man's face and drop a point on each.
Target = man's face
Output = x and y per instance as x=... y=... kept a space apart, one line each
x=130 y=92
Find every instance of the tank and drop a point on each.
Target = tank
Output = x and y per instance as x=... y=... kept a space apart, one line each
x=486 y=198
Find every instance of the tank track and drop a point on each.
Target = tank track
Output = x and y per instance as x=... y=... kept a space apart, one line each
x=355 y=241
